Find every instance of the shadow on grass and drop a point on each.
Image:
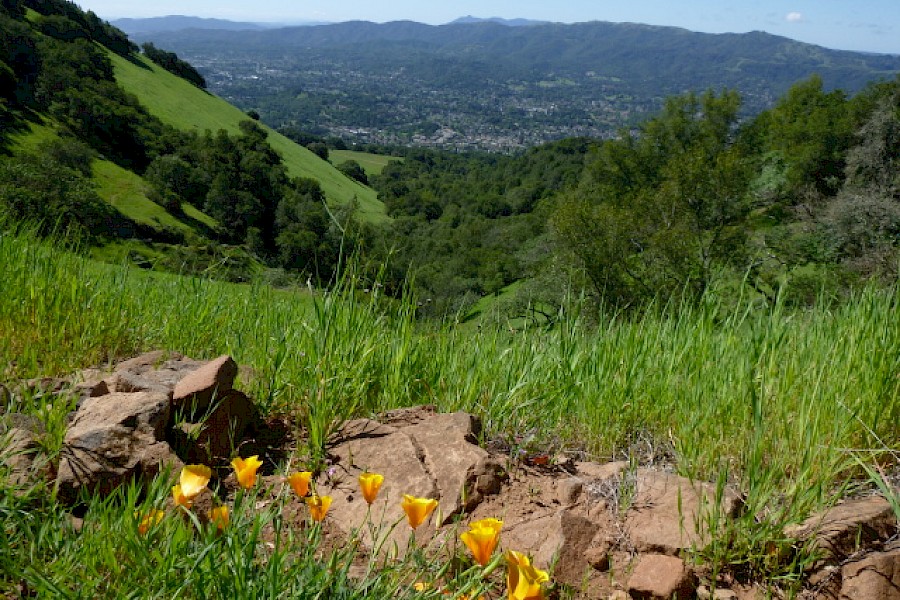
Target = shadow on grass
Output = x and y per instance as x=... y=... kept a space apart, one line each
x=14 y=121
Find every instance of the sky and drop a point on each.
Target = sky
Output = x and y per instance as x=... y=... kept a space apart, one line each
x=861 y=25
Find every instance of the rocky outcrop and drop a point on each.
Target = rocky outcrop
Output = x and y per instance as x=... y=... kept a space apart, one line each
x=148 y=413
x=421 y=453
x=607 y=530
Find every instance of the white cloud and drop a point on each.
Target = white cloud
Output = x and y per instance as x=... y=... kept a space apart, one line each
x=793 y=17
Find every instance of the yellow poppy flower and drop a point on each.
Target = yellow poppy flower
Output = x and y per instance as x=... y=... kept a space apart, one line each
x=148 y=520
x=245 y=470
x=523 y=581
x=179 y=498
x=218 y=516
x=421 y=586
x=417 y=509
x=482 y=538
x=369 y=484
x=300 y=482
x=193 y=479
x=318 y=506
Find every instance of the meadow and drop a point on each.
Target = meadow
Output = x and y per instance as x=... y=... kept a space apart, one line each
x=786 y=407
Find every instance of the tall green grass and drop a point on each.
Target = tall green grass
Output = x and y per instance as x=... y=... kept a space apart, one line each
x=772 y=402
x=799 y=384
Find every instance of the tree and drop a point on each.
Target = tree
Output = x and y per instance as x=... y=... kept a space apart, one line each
x=353 y=170
x=656 y=213
x=811 y=131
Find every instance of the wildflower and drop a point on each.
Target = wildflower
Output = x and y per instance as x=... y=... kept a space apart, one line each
x=417 y=509
x=179 y=499
x=219 y=517
x=245 y=470
x=422 y=586
x=523 y=581
x=300 y=482
x=482 y=538
x=370 y=483
x=193 y=479
x=318 y=506
x=148 y=520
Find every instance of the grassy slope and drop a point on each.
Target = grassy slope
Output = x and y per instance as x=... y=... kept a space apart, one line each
x=123 y=189
x=180 y=104
x=766 y=400
x=372 y=164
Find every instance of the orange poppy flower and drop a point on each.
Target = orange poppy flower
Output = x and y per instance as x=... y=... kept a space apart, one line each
x=417 y=509
x=149 y=520
x=193 y=479
x=318 y=506
x=218 y=516
x=245 y=470
x=523 y=581
x=369 y=484
x=300 y=482
x=482 y=538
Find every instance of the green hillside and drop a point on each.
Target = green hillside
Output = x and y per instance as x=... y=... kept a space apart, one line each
x=372 y=164
x=184 y=106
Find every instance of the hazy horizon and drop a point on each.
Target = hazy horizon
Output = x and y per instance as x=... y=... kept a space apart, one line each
x=871 y=26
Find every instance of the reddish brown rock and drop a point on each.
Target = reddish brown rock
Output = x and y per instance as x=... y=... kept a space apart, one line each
x=148 y=361
x=106 y=442
x=420 y=453
x=20 y=450
x=195 y=391
x=671 y=513
x=659 y=577
x=875 y=577
x=559 y=538
x=219 y=433
x=843 y=529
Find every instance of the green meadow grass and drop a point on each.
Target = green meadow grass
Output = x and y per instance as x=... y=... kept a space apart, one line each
x=372 y=164
x=779 y=405
x=182 y=105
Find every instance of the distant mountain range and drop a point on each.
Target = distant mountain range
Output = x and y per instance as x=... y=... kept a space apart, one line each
x=181 y=22
x=486 y=83
x=498 y=20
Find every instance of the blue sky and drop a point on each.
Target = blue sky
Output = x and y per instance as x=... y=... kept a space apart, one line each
x=866 y=25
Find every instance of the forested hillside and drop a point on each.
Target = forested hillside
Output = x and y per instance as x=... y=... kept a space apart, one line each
x=109 y=167
x=798 y=204
x=801 y=203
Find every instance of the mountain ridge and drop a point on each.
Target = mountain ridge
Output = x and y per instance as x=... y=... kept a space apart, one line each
x=491 y=86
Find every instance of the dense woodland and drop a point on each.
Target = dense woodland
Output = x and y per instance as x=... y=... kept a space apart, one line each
x=56 y=69
x=798 y=204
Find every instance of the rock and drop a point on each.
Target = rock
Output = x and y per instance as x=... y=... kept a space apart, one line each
x=569 y=490
x=20 y=449
x=843 y=529
x=92 y=389
x=660 y=577
x=875 y=577
x=109 y=440
x=148 y=361
x=447 y=446
x=597 y=557
x=219 y=433
x=421 y=454
x=128 y=382
x=704 y=593
x=670 y=513
x=195 y=391
x=561 y=538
